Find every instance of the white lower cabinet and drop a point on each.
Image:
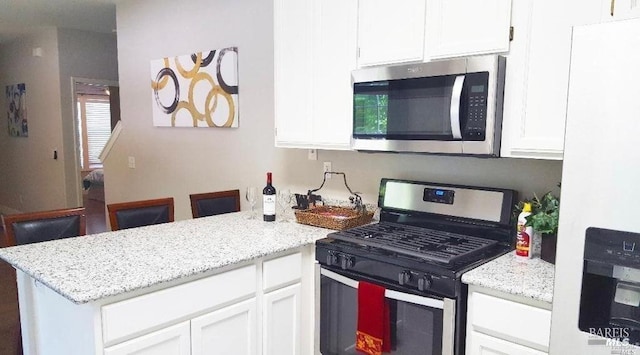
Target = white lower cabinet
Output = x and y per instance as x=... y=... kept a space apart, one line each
x=230 y=330
x=481 y=344
x=506 y=324
x=263 y=307
x=173 y=340
x=282 y=321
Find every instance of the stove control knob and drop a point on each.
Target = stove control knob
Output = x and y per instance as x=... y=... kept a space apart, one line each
x=332 y=258
x=347 y=262
x=404 y=277
x=424 y=283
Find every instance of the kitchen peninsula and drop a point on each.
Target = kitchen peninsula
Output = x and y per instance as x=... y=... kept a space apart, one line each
x=179 y=288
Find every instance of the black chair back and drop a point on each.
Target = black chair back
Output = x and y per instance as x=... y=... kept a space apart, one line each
x=27 y=228
x=142 y=217
x=46 y=229
x=140 y=213
x=214 y=203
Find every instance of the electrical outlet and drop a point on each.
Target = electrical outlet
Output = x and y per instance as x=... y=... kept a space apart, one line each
x=132 y=162
x=327 y=167
x=312 y=154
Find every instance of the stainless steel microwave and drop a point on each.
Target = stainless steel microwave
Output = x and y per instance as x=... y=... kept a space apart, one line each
x=444 y=107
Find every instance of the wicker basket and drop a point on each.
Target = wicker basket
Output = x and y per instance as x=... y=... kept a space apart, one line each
x=332 y=217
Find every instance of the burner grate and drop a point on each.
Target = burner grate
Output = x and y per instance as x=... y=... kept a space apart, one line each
x=428 y=244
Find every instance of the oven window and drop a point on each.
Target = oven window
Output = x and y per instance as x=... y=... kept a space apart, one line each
x=415 y=329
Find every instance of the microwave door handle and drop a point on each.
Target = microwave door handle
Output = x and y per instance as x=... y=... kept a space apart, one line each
x=454 y=111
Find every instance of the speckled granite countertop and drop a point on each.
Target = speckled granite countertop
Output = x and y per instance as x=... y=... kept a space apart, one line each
x=532 y=278
x=93 y=267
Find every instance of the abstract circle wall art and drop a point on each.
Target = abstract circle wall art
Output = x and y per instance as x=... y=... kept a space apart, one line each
x=17 y=110
x=196 y=90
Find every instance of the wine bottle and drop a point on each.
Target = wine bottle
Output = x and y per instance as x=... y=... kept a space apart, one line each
x=269 y=201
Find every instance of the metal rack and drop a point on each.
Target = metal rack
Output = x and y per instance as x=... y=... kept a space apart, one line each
x=355 y=198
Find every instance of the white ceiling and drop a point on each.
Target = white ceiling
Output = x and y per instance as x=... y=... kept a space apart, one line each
x=18 y=17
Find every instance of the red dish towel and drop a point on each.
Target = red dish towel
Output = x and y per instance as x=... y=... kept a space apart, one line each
x=373 y=335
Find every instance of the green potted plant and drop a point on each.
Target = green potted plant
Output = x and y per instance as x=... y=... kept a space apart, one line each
x=545 y=213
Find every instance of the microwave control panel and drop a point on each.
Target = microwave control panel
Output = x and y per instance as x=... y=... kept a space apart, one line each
x=475 y=108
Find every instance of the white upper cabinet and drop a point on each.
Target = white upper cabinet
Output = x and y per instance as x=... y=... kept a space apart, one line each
x=457 y=28
x=390 y=32
x=334 y=55
x=537 y=76
x=293 y=61
x=315 y=51
x=620 y=10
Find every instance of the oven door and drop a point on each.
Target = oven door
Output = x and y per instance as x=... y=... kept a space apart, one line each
x=420 y=325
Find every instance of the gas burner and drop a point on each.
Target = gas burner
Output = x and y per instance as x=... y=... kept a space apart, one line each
x=389 y=228
x=424 y=243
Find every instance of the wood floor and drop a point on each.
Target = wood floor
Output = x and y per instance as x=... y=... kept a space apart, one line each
x=9 y=313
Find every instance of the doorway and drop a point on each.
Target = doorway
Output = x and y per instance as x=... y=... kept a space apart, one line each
x=96 y=112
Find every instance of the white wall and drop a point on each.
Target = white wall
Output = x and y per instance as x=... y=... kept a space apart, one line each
x=179 y=161
x=87 y=55
x=30 y=179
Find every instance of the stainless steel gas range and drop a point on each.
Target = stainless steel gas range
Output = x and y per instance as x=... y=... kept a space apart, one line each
x=429 y=234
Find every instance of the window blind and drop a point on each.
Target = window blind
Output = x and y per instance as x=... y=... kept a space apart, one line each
x=98 y=125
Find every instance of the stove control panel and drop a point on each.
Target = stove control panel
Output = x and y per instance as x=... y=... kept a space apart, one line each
x=424 y=282
x=412 y=279
x=404 y=277
x=347 y=262
x=420 y=281
x=341 y=260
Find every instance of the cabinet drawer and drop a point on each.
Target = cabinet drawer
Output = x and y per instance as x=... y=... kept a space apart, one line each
x=174 y=340
x=282 y=271
x=510 y=320
x=134 y=316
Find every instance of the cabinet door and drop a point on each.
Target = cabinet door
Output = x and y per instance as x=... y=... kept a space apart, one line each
x=174 y=340
x=334 y=56
x=315 y=45
x=481 y=344
x=537 y=77
x=390 y=31
x=292 y=69
x=613 y=10
x=230 y=330
x=281 y=329
x=460 y=28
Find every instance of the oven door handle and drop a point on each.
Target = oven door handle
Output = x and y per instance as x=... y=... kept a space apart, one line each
x=454 y=110
x=400 y=296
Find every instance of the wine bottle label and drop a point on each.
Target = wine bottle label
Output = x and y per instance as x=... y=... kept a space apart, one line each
x=269 y=204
